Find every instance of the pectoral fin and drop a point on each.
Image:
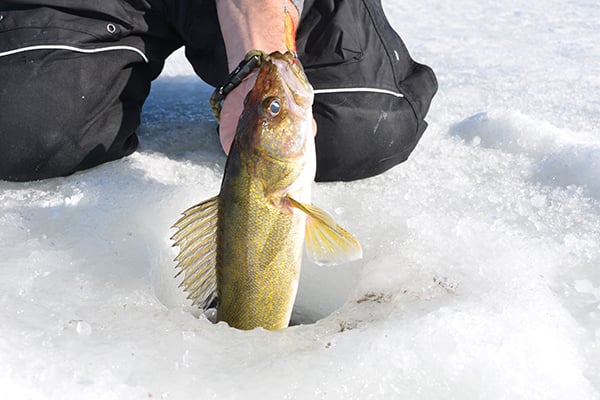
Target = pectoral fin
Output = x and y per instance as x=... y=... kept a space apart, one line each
x=327 y=243
x=196 y=237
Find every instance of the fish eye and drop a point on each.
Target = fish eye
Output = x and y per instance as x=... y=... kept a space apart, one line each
x=274 y=107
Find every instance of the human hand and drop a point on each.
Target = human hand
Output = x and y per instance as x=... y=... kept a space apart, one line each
x=231 y=109
x=248 y=25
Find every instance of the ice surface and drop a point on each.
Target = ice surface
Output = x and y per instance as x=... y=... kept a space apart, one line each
x=481 y=274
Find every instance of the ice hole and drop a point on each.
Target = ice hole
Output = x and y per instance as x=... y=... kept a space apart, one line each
x=322 y=290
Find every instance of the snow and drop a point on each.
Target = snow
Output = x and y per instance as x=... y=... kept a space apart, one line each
x=481 y=274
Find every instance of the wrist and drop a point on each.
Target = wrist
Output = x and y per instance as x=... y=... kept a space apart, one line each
x=253 y=24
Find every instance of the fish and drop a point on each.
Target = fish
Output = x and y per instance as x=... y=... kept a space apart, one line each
x=242 y=249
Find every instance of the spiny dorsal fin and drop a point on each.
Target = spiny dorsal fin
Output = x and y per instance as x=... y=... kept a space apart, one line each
x=196 y=237
x=327 y=243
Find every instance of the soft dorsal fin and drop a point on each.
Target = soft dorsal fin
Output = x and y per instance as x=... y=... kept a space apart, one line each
x=327 y=243
x=196 y=237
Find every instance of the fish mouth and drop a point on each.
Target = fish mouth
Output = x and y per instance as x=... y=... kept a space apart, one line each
x=298 y=91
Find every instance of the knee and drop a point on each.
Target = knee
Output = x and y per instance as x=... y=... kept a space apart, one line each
x=29 y=151
x=358 y=138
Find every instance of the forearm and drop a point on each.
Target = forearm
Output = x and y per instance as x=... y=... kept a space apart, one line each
x=253 y=24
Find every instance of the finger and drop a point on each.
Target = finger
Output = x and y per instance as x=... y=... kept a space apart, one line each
x=231 y=111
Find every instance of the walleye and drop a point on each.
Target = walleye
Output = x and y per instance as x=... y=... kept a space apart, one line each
x=243 y=247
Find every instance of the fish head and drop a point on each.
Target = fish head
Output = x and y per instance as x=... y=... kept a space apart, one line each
x=277 y=121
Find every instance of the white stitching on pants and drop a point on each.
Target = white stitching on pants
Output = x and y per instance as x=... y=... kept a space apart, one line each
x=76 y=49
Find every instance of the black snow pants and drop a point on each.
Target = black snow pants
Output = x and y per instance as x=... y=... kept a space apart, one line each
x=74 y=75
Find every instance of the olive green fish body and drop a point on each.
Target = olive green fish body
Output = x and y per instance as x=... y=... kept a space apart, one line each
x=244 y=246
x=261 y=237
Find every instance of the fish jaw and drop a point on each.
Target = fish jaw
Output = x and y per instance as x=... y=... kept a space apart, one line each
x=298 y=91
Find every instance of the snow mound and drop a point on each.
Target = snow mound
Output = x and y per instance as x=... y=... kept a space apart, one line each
x=561 y=157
